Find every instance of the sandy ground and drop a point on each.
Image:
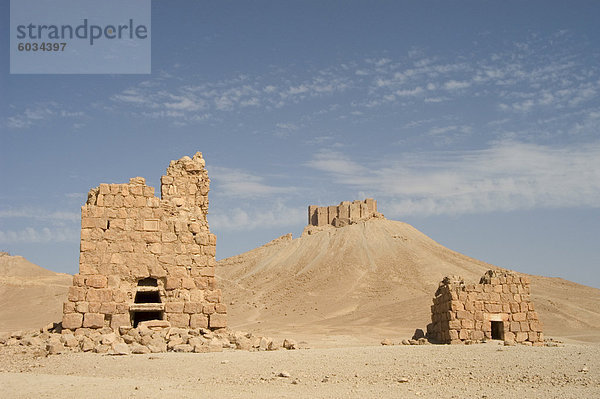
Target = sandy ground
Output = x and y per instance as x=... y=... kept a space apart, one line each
x=476 y=371
x=339 y=292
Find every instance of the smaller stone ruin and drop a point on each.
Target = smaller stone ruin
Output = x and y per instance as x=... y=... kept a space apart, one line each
x=343 y=214
x=499 y=307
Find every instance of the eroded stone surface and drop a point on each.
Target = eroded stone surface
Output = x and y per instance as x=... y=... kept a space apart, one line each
x=499 y=307
x=143 y=257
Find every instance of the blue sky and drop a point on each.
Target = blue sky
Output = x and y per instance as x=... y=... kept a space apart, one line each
x=476 y=122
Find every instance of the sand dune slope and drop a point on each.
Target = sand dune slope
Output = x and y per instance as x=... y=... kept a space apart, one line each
x=373 y=278
x=30 y=296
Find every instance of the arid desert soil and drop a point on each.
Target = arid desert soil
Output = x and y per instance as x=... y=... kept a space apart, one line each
x=339 y=292
x=475 y=371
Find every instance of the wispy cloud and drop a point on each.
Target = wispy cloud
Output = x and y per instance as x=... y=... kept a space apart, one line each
x=39 y=214
x=506 y=176
x=39 y=235
x=237 y=183
x=40 y=113
x=272 y=215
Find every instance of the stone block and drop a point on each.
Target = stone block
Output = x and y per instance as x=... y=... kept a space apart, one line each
x=493 y=307
x=99 y=295
x=198 y=321
x=76 y=294
x=179 y=319
x=192 y=307
x=188 y=283
x=72 y=321
x=208 y=308
x=217 y=320
x=515 y=326
x=468 y=324
x=521 y=336
x=221 y=308
x=172 y=283
x=213 y=296
x=108 y=308
x=120 y=320
x=535 y=325
x=93 y=307
x=93 y=320
x=463 y=314
x=174 y=307
x=519 y=316
x=69 y=307
x=532 y=316
x=96 y=281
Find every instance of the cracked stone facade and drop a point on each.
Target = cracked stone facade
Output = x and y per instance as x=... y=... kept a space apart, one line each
x=499 y=307
x=144 y=257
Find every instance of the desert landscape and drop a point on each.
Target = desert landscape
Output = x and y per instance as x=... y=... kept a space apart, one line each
x=337 y=294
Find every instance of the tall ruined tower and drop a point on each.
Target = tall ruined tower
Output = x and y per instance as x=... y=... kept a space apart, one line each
x=145 y=258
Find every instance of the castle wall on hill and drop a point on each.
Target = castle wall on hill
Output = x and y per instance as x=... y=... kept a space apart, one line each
x=345 y=213
x=499 y=307
x=145 y=258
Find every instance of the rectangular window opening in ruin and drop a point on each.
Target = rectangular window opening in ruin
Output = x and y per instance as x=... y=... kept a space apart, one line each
x=497 y=330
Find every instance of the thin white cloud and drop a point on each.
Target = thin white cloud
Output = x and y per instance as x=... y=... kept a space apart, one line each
x=39 y=214
x=38 y=114
x=238 y=218
x=41 y=235
x=507 y=176
x=237 y=183
x=456 y=85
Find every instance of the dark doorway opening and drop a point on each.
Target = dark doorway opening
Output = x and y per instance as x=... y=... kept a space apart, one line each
x=145 y=316
x=147 y=304
x=497 y=330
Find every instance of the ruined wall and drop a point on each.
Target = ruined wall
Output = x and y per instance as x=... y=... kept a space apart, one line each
x=145 y=257
x=343 y=214
x=501 y=302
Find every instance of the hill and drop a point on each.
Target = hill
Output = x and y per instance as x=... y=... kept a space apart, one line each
x=372 y=279
x=30 y=296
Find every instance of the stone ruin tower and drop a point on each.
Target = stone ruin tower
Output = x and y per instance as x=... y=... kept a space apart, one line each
x=343 y=214
x=147 y=258
x=499 y=307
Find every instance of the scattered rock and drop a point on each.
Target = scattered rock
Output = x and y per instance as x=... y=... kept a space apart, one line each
x=290 y=344
x=402 y=380
x=54 y=348
x=386 y=342
x=139 y=349
x=284 y=374
x=121 y=349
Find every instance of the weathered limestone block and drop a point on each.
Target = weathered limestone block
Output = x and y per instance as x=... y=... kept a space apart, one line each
x=72 y=321
x=179 y=319
x=93 y=320
x=76 y=294
x=198 y=321
x=217 y=320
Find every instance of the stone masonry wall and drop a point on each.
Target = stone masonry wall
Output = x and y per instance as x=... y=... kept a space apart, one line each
x=343 y=214
x=463 y=313
x=134 y=244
